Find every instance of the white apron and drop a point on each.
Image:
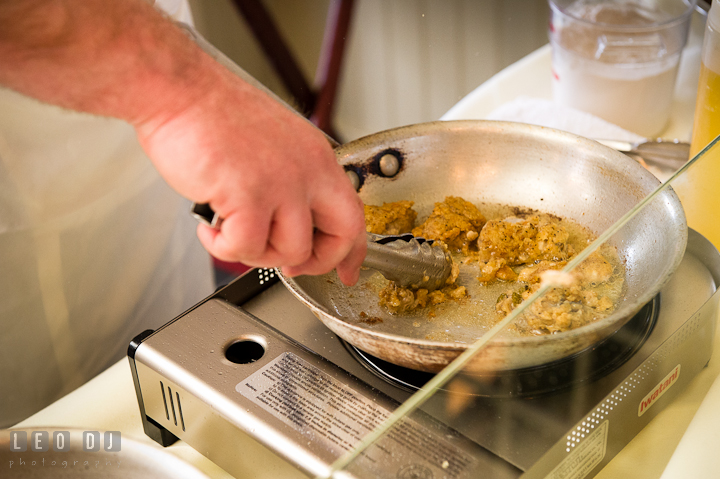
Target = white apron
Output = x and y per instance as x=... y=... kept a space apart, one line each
x=94 y=248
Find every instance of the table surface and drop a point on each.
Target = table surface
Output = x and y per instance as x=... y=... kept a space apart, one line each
x=108 y=402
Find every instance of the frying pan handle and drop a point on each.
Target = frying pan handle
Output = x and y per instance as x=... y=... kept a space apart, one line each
x=203 y=212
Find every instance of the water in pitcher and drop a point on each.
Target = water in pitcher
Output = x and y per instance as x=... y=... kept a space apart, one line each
x=637 y=98
x=616 y=61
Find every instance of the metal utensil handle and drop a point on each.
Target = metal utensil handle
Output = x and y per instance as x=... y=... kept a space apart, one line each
x=666 y=153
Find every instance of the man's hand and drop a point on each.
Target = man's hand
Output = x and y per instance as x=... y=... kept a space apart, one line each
x=271 y=176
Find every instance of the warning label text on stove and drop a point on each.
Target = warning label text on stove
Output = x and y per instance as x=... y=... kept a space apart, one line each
x=330 y=412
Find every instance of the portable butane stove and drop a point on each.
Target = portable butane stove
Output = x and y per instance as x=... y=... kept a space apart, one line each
x=252 y=360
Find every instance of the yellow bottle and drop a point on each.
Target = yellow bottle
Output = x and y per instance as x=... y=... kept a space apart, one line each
x=699 y=187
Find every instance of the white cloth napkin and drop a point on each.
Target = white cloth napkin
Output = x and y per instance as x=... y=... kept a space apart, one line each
x=538 y=111
x=542 y=112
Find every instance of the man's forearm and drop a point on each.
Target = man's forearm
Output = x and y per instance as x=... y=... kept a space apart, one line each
x=117 y=58
x=284 y=199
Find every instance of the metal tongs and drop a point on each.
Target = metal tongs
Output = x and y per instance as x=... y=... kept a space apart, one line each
x=409 y=261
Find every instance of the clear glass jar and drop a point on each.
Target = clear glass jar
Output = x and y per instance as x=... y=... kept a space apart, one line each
x=699 y=188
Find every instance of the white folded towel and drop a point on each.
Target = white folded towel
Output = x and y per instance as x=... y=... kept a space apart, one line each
x=538 y=111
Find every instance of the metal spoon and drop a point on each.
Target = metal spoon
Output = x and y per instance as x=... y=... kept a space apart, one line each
x=668 y=154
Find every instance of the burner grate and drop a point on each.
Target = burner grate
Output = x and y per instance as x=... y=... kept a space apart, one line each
x=587 y=365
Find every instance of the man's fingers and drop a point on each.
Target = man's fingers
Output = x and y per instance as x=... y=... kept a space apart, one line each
x=337 y=214
x=328 y=251
x=291 y=235
x=344 y=254
x=235 y=241
x=348 y=269
x=207 y=236
x=252 y=239
x=339 y=239
x=301 y=234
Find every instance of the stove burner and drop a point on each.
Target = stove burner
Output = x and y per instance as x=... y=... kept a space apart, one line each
x=584 y=366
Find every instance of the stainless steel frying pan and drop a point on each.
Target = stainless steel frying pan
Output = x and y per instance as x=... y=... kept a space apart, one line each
x=491 y=163
x=498 y=163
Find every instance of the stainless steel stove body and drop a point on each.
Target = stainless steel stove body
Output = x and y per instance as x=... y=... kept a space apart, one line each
x=251 y=360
